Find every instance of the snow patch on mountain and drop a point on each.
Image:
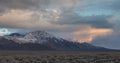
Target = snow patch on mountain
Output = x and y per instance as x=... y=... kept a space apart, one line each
x=32 y=37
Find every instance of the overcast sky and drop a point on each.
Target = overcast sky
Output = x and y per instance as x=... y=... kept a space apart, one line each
x=92 y=21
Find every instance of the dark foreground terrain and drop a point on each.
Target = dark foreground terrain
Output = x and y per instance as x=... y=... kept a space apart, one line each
x=59 y=57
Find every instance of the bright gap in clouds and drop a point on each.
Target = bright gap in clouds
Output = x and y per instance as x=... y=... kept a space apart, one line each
x=89 y=34
x=4 y=31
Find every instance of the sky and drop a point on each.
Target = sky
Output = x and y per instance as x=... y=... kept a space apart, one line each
x=91 y=21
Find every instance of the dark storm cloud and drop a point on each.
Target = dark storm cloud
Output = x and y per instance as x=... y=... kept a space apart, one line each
x=97 y=21
x=34 y=4
x=22 y=4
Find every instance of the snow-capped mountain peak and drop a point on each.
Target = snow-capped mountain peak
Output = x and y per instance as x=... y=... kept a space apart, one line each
x=38 y=34
x=40 y=40
x=31 y=37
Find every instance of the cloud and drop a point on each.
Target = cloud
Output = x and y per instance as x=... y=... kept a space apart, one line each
x=37 y=4
x=22 y=14
x=16 y=18
x=112 y=5
x=99 y=17
x=101 y=4
x=4 y=31
x=112 y=41
x=88 y=34
x=52 y=10
x=98 y=21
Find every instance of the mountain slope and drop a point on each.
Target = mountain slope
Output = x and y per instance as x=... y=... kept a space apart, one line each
x=40 y=40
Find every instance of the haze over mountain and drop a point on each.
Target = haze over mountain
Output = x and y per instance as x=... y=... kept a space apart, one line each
x=41 y=40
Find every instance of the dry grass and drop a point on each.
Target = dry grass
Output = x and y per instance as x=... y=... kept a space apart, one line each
x=58 y=57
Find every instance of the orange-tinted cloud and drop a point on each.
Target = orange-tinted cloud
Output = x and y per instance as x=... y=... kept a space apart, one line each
x=89 y=34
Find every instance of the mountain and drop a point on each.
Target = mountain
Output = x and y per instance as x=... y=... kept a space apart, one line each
x=41 y=40
x=15 y=34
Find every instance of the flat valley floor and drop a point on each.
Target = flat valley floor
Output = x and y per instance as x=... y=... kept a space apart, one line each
x=58 y=57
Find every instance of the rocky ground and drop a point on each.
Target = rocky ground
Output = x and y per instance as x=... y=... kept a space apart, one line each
x=64 y=57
